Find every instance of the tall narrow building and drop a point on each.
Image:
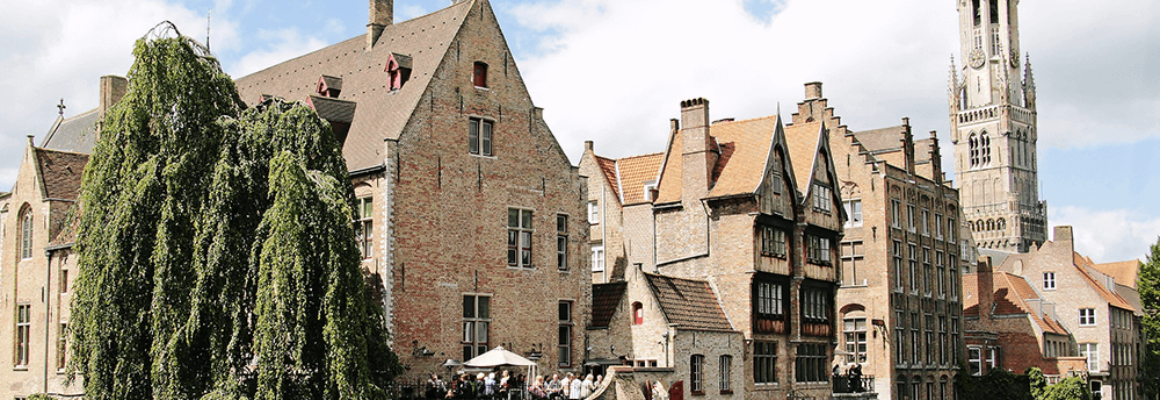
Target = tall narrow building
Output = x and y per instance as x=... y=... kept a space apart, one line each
x=993 y=120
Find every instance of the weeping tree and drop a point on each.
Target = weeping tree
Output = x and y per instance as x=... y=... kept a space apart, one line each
x=215 y=251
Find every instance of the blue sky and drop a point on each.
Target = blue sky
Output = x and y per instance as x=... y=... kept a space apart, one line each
x=1094 y=63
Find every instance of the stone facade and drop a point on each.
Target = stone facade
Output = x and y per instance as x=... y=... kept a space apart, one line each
x=750 y=208
x=904 y=246
x=1092 y=306
x=994 y=126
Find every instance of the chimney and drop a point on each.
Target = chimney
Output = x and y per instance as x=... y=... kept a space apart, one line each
x=113 y=88
x=588 y=145
x=697 y=153
x=813 y=90
x=986 y=287
x=1063 y=237
x=381 y=15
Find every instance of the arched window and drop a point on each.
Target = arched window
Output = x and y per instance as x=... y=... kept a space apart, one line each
x=697 y=374
x=1001 y=224
x=974 y=149
x=26 y=233
x=637 y=313
x=984 y=149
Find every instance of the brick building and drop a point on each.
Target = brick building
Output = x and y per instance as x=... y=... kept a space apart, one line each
x=1093 y=306
x=747 y=209
x=472 y=218
x=1009 y=326
x=37 y=262
x=904 y=245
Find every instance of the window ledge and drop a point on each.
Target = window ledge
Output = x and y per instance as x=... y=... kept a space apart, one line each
x=726 y=392
x=20 y=368
x=482 y=88
x=491 y=157
x=695 y=393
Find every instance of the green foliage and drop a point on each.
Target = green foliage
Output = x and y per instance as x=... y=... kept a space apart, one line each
x=40 y=396
x=215 y=251
x=1148 y=284
x=997 y=384
x=1073 y=388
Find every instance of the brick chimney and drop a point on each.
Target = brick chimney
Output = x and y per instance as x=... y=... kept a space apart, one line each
x=986 y=286
x=697 y=155
x=813 y=90
x=113 y=88
x=1063 y=236
x=382 y=14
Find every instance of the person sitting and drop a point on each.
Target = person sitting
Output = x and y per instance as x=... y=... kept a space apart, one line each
x=555 y=386
x=537 y=390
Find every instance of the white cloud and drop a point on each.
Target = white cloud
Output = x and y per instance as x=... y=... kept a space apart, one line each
x=1109 y=235
x=614 y=70
x=57 y=49
x=282 y=45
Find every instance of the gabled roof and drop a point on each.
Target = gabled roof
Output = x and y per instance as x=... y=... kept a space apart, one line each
x=669 y=187
x=61 y=172
x=633 y=172
x=688 y=303
x=605 y=299
x=608 y=169
x=76 y=134
x=1124 y=272
x=1113 y=299
x=803 y=142
x=744 y=150
x=1011 y=295
x=425 y=39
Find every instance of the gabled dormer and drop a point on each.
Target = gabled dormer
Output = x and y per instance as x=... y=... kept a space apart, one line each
x=399 y=68
x=328 y=86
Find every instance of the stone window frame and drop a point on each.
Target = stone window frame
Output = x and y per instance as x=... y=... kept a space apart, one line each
x=565 y=334
x=855 y=257
x=523 y=228
x=481 y=141
x=364 y=225
x=854 y=333
x=22 y=337
x=26 y=232
x=472 y=321
x=562 y=241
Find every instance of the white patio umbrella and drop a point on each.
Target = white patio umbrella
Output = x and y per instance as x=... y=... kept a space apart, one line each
x=499 y=357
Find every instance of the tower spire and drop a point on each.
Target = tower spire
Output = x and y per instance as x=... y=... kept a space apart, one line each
x=1029 y=84
x=953 y=88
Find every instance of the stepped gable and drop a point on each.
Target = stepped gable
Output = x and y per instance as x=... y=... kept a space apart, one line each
x=883 y=139
x=383 y=113
x=688 y=303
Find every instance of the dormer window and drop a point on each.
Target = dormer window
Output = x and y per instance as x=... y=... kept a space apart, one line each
x=329 y=86
x=399 y=68
x=479 y=76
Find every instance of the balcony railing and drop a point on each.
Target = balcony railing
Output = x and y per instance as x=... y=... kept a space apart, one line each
x=852 y=384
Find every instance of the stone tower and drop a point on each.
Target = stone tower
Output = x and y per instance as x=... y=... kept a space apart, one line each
x=993 y=120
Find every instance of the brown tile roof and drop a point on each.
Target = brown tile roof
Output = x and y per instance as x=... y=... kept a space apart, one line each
x=384 y=114
x=61 y=172
x=1011 y=293
x=76 y=134
x=881 y=139
x=1112 y=298
x=608 y=169
x=688 y=303
x=744 y=150
x=1124 y=272
x=634 y=172
x=605 y=299
x=802 y=140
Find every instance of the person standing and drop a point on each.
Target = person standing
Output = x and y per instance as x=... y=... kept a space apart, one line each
x=575 y=390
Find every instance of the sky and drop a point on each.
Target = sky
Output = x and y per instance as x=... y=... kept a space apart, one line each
x=615 y=71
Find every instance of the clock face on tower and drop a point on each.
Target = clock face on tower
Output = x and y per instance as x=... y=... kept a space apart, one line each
x=977 y=58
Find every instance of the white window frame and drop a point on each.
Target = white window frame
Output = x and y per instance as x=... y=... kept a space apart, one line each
x=593 y=212
x=23 y=336
x=598 y=258
x=1087 y=317
x=854 y=211
x=1049 y=280
x=1091 y=351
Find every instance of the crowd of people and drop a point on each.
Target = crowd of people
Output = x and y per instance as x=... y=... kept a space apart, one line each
x=507 y=387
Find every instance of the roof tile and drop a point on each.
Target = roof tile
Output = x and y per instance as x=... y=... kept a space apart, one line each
x=605 y=299
x=688 y=303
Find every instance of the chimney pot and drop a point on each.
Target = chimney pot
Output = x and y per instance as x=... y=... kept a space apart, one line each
x=588 y=145
x=813 y=90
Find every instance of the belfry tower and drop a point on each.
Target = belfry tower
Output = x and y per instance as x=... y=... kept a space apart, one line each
x=993 y=120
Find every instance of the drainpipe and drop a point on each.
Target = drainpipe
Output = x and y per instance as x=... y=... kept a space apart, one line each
x=46 y=300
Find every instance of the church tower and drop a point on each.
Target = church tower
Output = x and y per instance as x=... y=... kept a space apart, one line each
x=993 y=121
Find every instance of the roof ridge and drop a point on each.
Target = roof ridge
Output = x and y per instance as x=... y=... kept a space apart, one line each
x=659 y=153
x=738 y=121
x=61 y=151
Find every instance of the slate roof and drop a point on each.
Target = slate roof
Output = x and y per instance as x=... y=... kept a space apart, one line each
x=76 y=134
x=605 y=299
x=688 y=303
x=61 y=172
x=1124 y=272
x=425 y=39
x=333 y=110
x=1011 y=293
x=875 y=140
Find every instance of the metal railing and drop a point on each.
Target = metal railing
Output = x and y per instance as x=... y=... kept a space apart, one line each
x=851 y=384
